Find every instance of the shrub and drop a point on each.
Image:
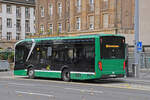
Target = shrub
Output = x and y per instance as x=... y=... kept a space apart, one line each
x=11 y=57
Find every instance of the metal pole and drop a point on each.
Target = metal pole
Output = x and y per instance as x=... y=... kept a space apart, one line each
x=136 y=32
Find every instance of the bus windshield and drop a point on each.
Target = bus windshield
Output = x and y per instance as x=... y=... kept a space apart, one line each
x=112 y=47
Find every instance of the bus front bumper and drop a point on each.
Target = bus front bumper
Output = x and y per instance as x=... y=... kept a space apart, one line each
x=112 y=76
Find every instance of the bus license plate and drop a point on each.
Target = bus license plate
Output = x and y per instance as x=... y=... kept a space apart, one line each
x=112 y=75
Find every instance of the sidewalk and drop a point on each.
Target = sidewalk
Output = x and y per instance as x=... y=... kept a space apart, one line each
x=143 y=79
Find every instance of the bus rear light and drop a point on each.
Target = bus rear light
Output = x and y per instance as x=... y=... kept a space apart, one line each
x=100 y=65
x=101 y=40
x=124 y=65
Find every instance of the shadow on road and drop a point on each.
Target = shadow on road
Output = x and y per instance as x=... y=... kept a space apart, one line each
x=100 y=81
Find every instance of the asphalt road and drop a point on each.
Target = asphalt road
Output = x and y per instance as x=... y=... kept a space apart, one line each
x=22 y=88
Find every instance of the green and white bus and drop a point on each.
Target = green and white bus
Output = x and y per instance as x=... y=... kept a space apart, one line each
x=83 y=57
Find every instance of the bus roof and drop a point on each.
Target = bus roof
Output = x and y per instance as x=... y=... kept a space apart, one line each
x=72 y=37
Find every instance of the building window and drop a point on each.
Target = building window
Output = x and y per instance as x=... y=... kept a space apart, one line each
x=59 y=9
x=105 y=20
x=34 y=12
x=18 y=36
x=27 y=12
x=105 y=4
x=41 y=29
x=18 y=25
x=18 y=12
x=91 y=22
x=9 y=9
x=68 y=8
x=78 y=23
x=68 y=26
x=0 y=24
x=78 y=6
x=91 y=4
x=0 y=7
x=9 y=35
x=27 y=26
x=9 y=23
x=0 y=35
x=51 y=29
x=50 y=9
x=34 y=25
x=42 y=11
x=59 y=28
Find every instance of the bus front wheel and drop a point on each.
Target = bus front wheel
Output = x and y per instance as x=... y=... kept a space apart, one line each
x=66 y=75
x=31 y=73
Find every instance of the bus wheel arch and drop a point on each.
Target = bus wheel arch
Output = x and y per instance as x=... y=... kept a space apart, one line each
x=28 y=67
x=65 y=74
x=30 y=72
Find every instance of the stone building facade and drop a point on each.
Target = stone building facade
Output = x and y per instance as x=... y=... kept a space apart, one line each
x=17 y=20
x=84 y=16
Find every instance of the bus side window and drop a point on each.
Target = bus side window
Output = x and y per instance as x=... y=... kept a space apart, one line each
x=70 y=55
x=49 y=51
x=54 y=55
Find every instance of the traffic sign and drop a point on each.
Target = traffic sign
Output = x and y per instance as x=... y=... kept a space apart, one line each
x=139 y=46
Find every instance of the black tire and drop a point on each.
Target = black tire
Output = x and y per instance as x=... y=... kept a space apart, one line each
x=31 y=73
x=66 y=75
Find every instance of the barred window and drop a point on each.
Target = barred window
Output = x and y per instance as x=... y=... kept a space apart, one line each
x=50 y=9
x=78 y=5
x=9 y=9
x=59 y=28
x=18 y=36
x=59 y=9
x=78 y=23
x=51 y=29
x=9 y=23
x=91 y=22
x=42 y=29
x=91 y=5
x=105 y=20
x=9 y=35
x=42 y=11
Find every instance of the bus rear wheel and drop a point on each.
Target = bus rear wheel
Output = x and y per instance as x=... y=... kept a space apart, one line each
x=66 y=75
x=31 y=73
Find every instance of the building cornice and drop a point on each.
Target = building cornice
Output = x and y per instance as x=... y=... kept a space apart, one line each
x=18 y=3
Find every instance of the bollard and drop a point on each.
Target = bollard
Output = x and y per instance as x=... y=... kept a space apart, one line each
x=134 y=70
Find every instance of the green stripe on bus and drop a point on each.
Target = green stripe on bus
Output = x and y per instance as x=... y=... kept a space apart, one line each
x=20 y=72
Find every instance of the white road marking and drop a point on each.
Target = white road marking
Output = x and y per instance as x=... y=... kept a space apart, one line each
x=46 y=95
x=82 y=90
x=20 y=84
x=33 y=85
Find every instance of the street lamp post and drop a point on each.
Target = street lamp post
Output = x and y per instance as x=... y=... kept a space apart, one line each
x=136 y=34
